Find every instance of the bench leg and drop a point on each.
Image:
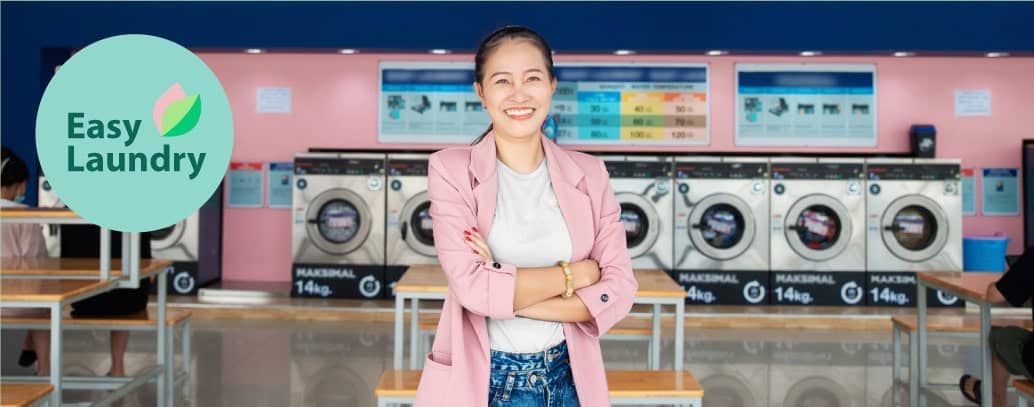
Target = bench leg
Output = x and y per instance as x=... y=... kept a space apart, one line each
x=414 y=340
x=655 y=338
x=913 y=369
x=186 y=359
x=55 y=354
x=895 y=340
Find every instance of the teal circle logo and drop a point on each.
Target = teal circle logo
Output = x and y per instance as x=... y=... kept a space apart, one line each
x=134 y=133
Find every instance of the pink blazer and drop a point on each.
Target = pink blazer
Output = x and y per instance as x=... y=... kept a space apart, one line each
x=462 y=188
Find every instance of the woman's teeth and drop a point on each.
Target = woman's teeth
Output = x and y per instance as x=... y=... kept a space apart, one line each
x=519 y=112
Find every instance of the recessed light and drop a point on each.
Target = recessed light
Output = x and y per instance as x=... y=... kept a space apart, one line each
x=439 y=51
x=997 y=54
x=904 y=54
x=811 y=53
x=624 y=52
x=717 y=52
x=253 y=51
x=348 y=51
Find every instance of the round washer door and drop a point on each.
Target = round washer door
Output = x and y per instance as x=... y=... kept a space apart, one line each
x=914 y=228
x=338 y=221
x=721 y=226
x=817 y=391
x=641 y=223
x=416 y=225
x=168 y=236
x=818 y=227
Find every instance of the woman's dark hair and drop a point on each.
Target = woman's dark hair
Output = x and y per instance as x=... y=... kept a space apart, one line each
x=495 y=39
x=14 y=170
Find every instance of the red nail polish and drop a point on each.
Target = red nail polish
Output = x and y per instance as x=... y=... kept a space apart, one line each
x=468 y=238
x=475 y=229
x=465 y=232
x=475 y=251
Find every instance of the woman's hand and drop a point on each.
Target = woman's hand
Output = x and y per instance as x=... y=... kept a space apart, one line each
x=476 y=243
x=586 y=272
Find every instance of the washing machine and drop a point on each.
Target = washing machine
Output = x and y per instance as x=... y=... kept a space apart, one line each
x=914 y=224
x=338 y=225
x=721 y=229
x=194 y=245
x=828 y=374
x=642 y=186
x=817 y=231
x=410 y=238
x=732 y=373
x=47 y=198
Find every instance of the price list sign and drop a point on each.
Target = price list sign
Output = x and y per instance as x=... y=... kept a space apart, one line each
x=832 y=105
x=640 y=104
x=429 y=102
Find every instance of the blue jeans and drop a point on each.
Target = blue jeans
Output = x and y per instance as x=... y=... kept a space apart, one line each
x=540 y=379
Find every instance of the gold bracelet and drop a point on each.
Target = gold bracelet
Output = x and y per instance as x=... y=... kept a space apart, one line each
x=568 y=279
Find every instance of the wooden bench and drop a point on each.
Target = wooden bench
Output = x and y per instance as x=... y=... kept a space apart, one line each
x=627 y=387
x=24 y=395
x=1024 y=392
x=175 y=319
x=626 y=330
x=937 y=326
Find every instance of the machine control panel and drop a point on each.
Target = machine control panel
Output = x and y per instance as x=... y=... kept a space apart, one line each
x=818 y=171
x=913 y=172
x=638 y=169
x=708 y=170
x=407 y=167
x=338 y=166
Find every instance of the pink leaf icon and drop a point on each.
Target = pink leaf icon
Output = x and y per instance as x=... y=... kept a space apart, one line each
x=174 y=93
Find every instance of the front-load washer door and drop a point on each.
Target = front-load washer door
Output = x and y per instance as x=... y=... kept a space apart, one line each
x=914 y=228
x=338 y=221
x=721 y=226
x=168 y=236
x=818 y=227
x=416 y=225
x=642 y=225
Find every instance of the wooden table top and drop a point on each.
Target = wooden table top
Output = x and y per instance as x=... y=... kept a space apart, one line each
x=22 y=394
x=630 y=383
x=972 y=284
x=35 y=213
x=21 y=266
x=47 y=290
x=430 y=279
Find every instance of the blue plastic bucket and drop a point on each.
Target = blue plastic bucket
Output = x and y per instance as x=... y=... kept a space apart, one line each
x=984 y=253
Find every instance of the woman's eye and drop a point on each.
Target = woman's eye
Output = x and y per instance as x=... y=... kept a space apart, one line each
x=533 y=78
x=502 y=82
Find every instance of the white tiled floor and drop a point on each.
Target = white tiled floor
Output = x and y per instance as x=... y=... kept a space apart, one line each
x=275 y=363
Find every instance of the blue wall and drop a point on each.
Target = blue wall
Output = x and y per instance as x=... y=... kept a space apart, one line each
x=35 y=36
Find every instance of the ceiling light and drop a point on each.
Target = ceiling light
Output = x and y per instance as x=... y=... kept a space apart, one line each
x=624 y=52
x=439 y=51
x=811 y=53
x=717 y=52
x=253 y=51
x=348 y=51
x=997 y=54
x=904 y=54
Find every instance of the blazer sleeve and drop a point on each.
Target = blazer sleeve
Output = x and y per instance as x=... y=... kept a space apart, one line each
x=610 y=299
x=482 y=288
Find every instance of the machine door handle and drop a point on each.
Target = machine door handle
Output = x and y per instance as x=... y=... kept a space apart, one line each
x=404 y=229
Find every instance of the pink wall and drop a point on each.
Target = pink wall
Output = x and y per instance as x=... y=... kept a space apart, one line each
x=334 y=104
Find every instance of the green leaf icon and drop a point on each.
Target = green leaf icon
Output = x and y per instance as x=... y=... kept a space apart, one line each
x=181 y=116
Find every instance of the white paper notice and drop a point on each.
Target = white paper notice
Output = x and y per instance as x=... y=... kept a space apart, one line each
x=273 y=100
x=973 y=102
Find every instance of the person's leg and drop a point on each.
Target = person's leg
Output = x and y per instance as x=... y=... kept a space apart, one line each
x=41 y=343
x=119 y=341
x=999 y=381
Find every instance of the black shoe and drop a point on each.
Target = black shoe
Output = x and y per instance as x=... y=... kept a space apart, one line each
x=976 y=389
x=27 y=358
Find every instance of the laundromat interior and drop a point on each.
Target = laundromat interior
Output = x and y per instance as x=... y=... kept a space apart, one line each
x=817 y=199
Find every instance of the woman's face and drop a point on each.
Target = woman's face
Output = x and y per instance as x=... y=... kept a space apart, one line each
x=516 y=89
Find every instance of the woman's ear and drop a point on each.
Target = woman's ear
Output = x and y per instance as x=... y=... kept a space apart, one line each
x=479 y=91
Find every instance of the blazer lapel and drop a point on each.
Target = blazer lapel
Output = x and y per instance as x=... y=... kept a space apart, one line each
x=568 y=182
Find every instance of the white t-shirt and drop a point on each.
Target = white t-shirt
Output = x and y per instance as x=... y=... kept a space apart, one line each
x=528 y=231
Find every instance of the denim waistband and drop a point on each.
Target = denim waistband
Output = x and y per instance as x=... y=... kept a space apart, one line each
x=548 y=359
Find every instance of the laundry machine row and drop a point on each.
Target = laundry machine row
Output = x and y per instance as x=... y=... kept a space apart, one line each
x=359 y=221
x=731 y=230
